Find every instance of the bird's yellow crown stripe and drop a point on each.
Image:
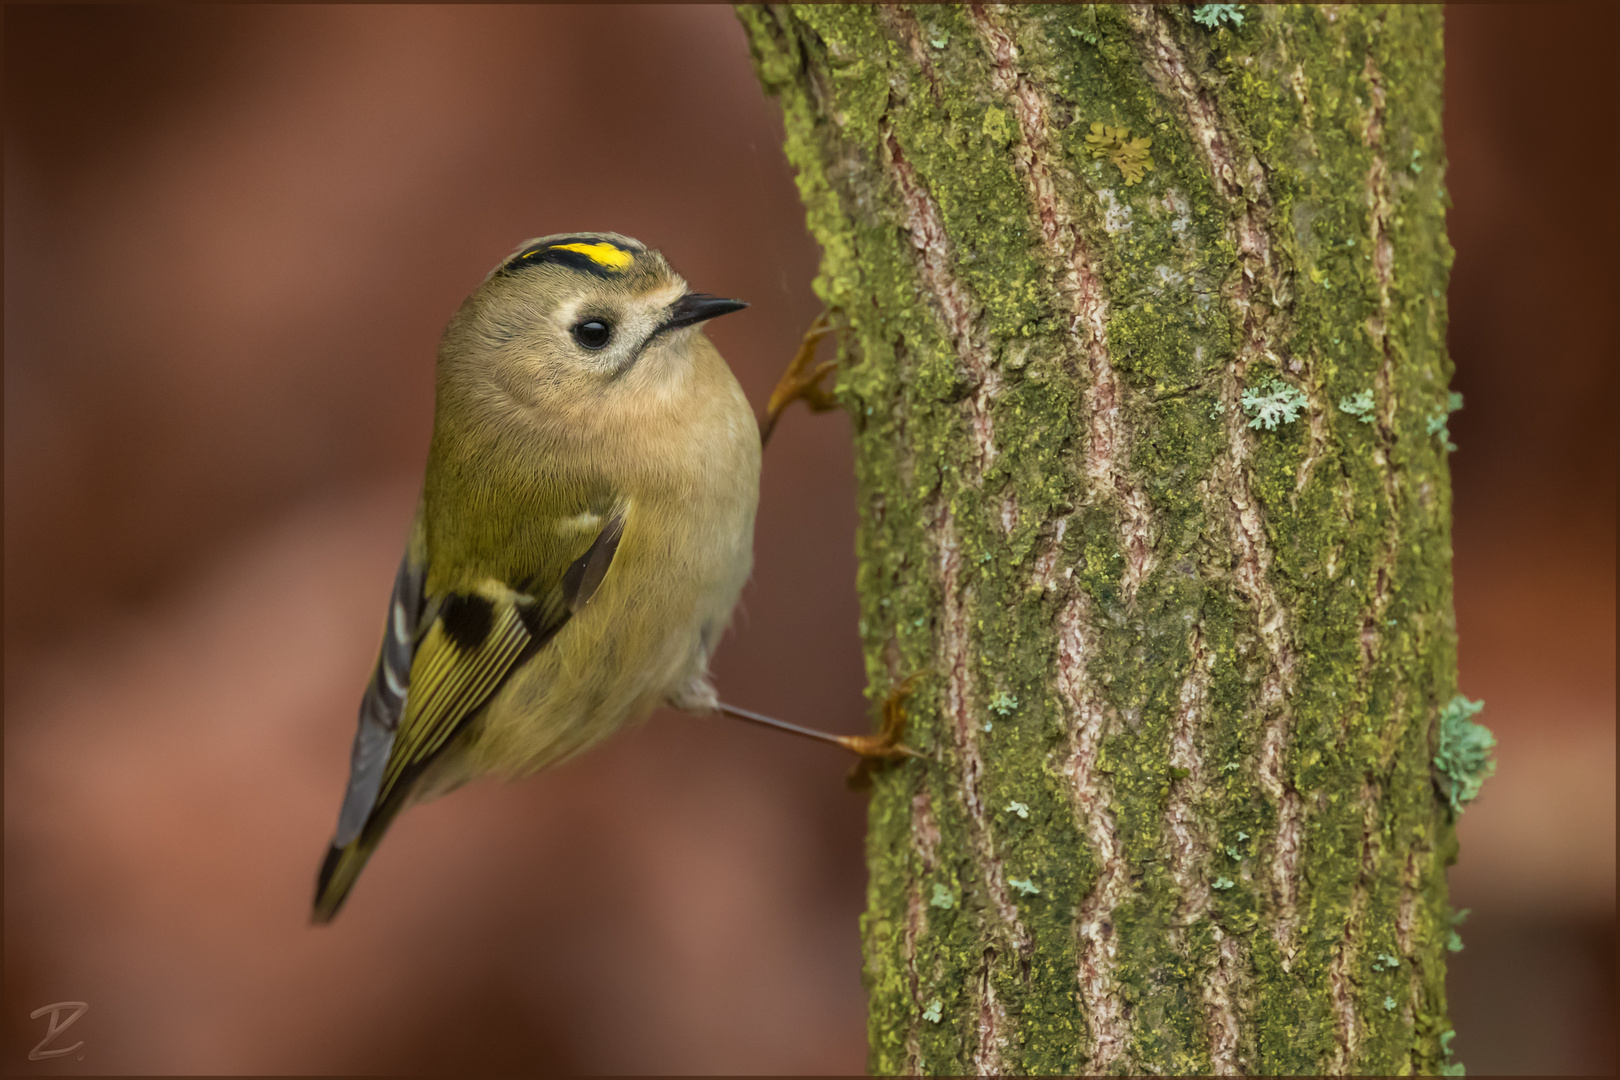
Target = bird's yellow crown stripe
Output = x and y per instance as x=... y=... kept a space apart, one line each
x=601 y=254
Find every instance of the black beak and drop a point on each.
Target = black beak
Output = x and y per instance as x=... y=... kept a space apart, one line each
x=699 y=307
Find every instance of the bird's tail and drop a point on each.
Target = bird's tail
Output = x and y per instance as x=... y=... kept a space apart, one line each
x=338 y=875
x=343 y=864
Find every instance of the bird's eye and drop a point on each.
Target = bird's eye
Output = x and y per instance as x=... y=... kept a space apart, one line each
x=592 y=333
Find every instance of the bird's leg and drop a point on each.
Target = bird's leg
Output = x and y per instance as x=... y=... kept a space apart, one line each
x=802 y=381
x=885 y=745
x=889 y=736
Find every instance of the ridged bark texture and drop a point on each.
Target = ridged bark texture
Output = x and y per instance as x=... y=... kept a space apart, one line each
x=1184 y=673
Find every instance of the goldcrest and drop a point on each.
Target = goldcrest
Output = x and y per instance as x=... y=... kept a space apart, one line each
x=585 y=526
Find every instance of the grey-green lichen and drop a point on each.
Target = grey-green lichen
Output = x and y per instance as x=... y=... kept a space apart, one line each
x=1439 y=420
x=1449 y=1067
x=1274 y=403
x=1212 y=16
x=1454 y=941
x=1464 y=758
x=1359 y=405
x=1211 y=631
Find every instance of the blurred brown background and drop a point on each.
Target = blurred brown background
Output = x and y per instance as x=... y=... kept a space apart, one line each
x=232 y=238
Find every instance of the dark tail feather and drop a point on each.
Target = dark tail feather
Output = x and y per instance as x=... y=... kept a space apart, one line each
x=338 y=875
x=342 y=865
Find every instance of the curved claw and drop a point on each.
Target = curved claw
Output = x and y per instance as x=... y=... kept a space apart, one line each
x=886 y=744
x=877 y=747
x=802 y=381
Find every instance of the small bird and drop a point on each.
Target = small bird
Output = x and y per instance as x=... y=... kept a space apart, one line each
x=585 y=527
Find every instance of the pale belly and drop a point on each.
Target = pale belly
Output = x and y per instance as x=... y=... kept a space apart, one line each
x=645 y=636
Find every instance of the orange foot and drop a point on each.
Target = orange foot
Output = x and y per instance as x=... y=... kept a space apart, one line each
x=802 y=381
x=885 y=745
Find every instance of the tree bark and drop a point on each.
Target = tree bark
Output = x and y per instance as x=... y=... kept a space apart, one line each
x=1184 y=672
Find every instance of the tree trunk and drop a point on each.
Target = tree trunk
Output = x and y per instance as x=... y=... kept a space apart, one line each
x=1153 y=486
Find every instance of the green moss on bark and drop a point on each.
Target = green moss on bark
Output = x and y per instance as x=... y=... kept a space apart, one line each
x=1228 y=647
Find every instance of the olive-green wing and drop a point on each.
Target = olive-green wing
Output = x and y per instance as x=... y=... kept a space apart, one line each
x=462 y=648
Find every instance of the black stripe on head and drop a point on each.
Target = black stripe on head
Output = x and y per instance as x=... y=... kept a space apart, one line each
x=563 y=252
x=467 y=620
